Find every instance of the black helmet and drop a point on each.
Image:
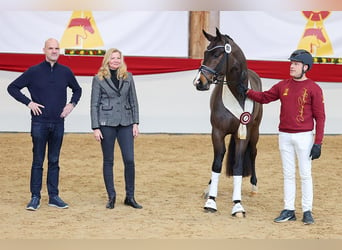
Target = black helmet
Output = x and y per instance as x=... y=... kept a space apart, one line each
x=301 y=55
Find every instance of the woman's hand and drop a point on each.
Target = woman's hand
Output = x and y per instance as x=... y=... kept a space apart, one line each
x=97 y=134
x=135 y=130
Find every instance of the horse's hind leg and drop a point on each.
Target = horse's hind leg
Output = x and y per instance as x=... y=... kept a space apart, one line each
x=219 y=151
x=253 y=179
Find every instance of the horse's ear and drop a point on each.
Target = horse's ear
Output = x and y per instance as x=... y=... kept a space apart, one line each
x=218 y=33
x=208 y=36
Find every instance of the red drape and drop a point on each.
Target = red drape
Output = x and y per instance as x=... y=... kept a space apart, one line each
x=88 y=66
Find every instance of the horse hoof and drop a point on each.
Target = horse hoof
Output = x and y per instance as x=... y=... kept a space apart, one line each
x=239 y=215
x=210 y=210
x=238 y=210
x=210 y=206
x=254 y=190
x=253 y=193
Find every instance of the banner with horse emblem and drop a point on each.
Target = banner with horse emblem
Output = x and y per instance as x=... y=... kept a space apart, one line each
x=160 y=37
x=262 y=35
x=272 y=35
x=81 y=32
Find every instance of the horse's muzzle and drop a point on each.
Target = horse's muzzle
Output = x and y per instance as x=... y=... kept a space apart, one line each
x=202 y=87
x=197 y=82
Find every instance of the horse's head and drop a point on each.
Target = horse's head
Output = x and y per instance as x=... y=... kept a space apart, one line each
x=222 y=59
x=88 y=26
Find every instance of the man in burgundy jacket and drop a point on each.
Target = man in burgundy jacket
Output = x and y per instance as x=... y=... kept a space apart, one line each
x=302 y=111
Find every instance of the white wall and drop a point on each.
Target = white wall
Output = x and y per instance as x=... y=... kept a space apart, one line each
x=169 y=103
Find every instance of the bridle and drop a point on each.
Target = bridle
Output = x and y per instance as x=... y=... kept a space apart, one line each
x=216 y=77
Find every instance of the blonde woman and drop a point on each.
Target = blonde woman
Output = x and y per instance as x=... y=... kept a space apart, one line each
x=115 y=116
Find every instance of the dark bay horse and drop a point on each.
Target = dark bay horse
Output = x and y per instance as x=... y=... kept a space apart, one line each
x=225 y=66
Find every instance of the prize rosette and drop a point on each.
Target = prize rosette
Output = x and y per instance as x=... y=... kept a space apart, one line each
x=245 y=118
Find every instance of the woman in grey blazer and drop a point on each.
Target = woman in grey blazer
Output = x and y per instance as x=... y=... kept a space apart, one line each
x=115 y=115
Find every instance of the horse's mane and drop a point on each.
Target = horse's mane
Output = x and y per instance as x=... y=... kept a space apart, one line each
x=228 y=37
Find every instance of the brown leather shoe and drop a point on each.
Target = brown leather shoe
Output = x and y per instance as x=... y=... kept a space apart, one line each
x=131 y=202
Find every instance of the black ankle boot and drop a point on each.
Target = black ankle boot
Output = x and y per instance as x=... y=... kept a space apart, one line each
x=131 y=202
x=110 y=203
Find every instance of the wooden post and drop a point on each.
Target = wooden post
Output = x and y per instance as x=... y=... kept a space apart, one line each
x=198 y=21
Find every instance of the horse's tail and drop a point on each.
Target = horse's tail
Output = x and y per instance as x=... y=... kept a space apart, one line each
x=230 y=161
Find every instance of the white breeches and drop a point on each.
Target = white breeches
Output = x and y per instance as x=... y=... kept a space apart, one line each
x=292 y=145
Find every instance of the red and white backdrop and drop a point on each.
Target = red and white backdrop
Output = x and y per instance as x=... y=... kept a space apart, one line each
x=155 y=45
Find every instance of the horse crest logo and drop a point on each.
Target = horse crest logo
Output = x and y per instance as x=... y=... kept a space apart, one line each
x=315 y=38
x=81 y=32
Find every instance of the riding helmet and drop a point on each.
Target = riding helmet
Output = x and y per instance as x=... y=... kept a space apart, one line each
x=301 y=55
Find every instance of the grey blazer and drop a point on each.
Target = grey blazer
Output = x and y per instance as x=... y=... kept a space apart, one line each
x=111 y=106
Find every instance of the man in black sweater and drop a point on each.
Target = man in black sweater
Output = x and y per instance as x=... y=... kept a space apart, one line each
x=47 y=84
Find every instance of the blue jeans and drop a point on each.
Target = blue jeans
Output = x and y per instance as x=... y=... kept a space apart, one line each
x=50 y=134
x=124 y=134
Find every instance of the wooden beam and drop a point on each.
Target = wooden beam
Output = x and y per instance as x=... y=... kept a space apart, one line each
x=198 y=21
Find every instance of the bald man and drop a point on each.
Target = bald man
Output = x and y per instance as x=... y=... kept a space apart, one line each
x=47 y=83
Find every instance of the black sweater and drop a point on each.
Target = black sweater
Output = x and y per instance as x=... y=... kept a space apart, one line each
x=47 y=86
x=114 y=77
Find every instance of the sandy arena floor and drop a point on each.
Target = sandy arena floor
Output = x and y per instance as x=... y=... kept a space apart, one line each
x=171 y=173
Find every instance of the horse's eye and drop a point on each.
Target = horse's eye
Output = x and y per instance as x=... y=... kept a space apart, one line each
x=216 y=55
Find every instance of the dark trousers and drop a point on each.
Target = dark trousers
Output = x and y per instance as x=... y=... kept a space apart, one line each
x=124 y=135
x=51 y=135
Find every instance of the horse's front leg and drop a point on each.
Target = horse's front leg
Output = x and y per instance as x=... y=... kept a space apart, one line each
x=239 y=151
x=219 y=151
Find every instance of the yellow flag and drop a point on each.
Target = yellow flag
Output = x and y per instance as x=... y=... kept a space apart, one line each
x=81 y=32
